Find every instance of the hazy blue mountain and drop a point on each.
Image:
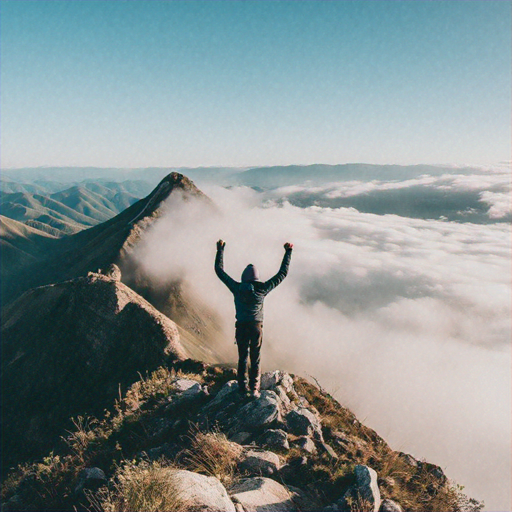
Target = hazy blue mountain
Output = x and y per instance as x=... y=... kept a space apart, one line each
x=67 y=176
x=72 y=209
x=281 y=176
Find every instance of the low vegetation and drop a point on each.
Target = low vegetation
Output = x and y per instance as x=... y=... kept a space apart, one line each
x=144 y=486
x=122 y=441
x=213 y=454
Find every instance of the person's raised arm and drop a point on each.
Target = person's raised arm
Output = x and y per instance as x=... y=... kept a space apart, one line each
x=283 y=270
x=219 y=267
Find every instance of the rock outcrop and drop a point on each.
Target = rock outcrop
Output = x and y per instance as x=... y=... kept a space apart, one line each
x=180 y=430
x=67 y=350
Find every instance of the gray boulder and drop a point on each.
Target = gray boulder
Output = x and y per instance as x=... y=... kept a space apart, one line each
x=390 y=506
x=259 y=414
x=365 y=492
x=241 y=437
x=274 y=439
x=305 y=443
x=270 y=380
x=260 y=462
x=261 y=494
x=202 y=493
x=302 y=422
x=327 y=449
x=227 y=394
x=188 y=390
x=90 y=479
x=187 y=386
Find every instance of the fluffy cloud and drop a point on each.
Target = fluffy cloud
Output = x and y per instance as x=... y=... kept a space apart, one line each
x=480 y=197
x=406 y=321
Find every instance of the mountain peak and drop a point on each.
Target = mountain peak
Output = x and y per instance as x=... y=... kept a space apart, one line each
x=173 y=181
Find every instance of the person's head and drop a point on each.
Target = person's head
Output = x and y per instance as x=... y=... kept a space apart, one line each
x=250 y=274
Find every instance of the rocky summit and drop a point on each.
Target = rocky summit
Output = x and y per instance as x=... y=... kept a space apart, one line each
x=184 y=439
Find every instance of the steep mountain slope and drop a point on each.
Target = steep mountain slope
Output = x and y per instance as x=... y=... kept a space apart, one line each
x=20 y=246
x=113 y=242
x=67 y=349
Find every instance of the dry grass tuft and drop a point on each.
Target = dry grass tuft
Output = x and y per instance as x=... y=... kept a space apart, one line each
x=358 y=504
x=213 y=454
x=154 y=385
x=143 y=487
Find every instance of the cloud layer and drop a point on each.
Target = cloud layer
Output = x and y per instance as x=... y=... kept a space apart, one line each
x=405 y=320
x=482 y=198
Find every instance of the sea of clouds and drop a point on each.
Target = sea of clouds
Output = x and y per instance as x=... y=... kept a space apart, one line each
x=407 y=321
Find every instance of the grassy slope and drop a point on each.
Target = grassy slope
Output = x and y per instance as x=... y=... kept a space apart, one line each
x=134 y=426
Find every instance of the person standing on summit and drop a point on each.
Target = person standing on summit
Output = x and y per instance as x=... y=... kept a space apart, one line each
x=249 y=296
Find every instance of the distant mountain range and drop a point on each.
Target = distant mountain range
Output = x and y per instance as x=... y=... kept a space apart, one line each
x=69 y=210
x=264 y=177
x=47 y=195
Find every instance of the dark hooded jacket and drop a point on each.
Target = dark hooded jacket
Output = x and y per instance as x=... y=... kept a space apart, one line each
x=249 y=294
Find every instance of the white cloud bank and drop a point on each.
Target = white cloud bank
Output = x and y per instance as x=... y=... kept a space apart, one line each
x=406 y=321
x=491 y=189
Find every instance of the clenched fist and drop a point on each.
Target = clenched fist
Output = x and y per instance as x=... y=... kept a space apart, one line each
x=288 y=246
x=220 y=244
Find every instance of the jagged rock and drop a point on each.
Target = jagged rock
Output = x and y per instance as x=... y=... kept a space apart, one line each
x=167 y=450
x=259 y=414
x=188 y=390
x=327 y=449
x=260 y=462
x=348 y=443
x=302 y=422
x=435 y=471
x=303 y=501
x=286 y=404
x=91 y=479
x=274 y=438
x=114 y=272
x=305 y=443
x=387 y=482
x=408 y=459
x=366 y=482
x=202 y=493
x=241 y=437
x=227 y=394
x=261 y=494
x=289 y=471
x=187 y=386
x=390 y=506
x=365 y=492
x=270 y=380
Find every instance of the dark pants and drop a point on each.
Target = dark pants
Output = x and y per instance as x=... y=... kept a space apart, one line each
x=249 y=336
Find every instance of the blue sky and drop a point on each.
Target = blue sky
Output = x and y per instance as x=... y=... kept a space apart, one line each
x=245 y=83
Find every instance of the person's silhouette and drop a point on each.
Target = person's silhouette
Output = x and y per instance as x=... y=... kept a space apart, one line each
x=249 y=295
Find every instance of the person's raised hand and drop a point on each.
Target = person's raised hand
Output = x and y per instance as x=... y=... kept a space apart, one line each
x=288 y=246
x=220 y=244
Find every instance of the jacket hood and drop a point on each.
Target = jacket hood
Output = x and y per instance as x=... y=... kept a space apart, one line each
x=250 y=274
